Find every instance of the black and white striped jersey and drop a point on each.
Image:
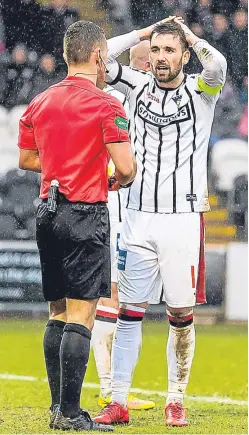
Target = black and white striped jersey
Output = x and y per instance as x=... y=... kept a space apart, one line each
x=170 y=130
x=116 y=199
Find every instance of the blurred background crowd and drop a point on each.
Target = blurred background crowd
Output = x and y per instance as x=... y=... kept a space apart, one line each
x=31 y=34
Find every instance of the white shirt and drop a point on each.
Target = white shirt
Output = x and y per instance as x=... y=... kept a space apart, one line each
x=170 y=130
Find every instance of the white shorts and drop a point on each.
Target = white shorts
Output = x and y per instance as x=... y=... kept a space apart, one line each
x=114 y=241
x=115 y=237
x=158 y=250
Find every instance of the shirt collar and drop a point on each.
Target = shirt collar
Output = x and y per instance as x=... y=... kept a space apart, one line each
x=79 y=79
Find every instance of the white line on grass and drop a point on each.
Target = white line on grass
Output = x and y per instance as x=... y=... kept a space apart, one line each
x=17 y=377
x=209 y=399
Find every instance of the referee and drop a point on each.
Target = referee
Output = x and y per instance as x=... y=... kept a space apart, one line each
x=68 y=133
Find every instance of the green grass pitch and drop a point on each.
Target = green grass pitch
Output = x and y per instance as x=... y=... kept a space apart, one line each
x=219 y=369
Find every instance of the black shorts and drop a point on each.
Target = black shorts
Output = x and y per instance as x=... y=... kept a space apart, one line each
x=74 y=248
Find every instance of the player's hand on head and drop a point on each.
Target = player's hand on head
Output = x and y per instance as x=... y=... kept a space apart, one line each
x=184 y=27
x=190 y=36
x=146 y=32
x=170 y=18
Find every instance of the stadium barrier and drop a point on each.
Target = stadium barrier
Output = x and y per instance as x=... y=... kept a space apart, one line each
x=226 y=281
x=236 y=294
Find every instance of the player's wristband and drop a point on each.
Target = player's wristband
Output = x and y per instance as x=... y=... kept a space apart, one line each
x=125 y=186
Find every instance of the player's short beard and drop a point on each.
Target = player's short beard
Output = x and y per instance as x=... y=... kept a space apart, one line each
x=171 y=74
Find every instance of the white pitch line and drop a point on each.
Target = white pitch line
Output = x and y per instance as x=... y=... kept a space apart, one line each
x=17 y=377
x=208 y=399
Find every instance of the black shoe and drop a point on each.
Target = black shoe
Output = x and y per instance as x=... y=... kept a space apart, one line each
x=53 y=413
x=82 y=422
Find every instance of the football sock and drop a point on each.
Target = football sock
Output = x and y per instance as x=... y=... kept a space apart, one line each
x=51 y=346
x=74 y=354
x=126 y=346
x=180 y=352
x=102 y=337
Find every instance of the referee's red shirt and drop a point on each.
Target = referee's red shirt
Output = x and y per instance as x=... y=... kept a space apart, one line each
x=70 y=124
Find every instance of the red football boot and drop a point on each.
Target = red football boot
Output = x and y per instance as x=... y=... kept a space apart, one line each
x=113 y=413
x=175 y=415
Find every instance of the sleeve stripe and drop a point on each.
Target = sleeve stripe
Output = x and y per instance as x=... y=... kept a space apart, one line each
x=119 y=79
x=210 y=90
x=127 y=83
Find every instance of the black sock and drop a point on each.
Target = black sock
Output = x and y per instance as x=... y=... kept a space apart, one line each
x=51 y=345
x=74 y=354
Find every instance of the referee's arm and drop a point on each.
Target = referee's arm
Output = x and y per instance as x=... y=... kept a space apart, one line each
x=117 y=141
x=29 y=160
x=28 y=152
x=124 y=161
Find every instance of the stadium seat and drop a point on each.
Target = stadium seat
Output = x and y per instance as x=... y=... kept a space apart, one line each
x=22 y=199
x=8 y=226
x=215 y=276
x=7 y=142
x=238 y=203
x=14 y=118
x=31 y=227
x=18 y=176
x=3 y=115
x=10 y=144
x=4 y=130
x=229 y=160
x=8 y=161
x=20 y=191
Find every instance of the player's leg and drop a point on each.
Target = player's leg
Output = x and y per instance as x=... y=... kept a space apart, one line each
x=102 y=337
x=138 y=272
x=103 y=330
x=105 y=324
x=179 y=270
x=180 y=353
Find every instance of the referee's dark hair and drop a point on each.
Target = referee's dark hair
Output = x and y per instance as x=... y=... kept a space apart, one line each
x=80 y=40
x=171 y=28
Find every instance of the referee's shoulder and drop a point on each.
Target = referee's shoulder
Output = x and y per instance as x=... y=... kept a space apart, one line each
x=37 y=99
x=108 y=101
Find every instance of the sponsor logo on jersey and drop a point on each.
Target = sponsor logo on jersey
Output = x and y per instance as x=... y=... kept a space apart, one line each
x=177 y=99
x=191 y=197
x=183 y=114
x=122 y=259
x=153 y=97
x=121 y=123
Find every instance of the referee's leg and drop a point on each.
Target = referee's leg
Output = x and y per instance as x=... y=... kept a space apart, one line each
x=74 y=353
x=52 y=286
x=51 y=345
x=85 y=231
x=75 y=260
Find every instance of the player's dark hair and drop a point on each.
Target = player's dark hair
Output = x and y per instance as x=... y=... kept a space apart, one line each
x=173 y=29
x=80 y=40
